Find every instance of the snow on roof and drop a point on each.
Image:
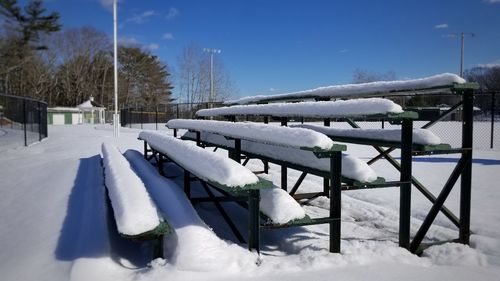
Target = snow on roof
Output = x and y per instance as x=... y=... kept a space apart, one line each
x=89 y=104
x=321 y=109
x=285 y=136
x=440 y=80
x=204 y=164
x=352 y=167
x=63 y=109
x=135 y=212
x=420 y=136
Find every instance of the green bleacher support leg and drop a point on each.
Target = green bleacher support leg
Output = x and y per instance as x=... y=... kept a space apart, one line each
x=465 y=184
x=335 y=201
x=326 y=182
x=145 y=150
x=158 y=247
x=198 y=138
x=187 y=183
x=253 y=220
x=284 y=177
x=160 y=164
x=237 y=150
x=405 y=178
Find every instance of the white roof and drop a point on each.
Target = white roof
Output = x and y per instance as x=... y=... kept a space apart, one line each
x=90 y=105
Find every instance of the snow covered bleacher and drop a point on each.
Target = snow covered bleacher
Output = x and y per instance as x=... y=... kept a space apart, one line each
x=135 y=214
x=229 y=177
x=440 y=83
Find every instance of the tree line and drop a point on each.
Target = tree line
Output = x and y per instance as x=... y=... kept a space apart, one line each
x=66 y=67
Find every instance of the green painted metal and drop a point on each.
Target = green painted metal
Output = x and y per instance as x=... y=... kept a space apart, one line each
x=419 y=236
x=254 y=220
x=161 y=229
x=466 y=176
x=335 y=201
x=405 y=187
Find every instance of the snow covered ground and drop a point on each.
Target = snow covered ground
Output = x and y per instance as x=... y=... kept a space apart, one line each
x=54 y=224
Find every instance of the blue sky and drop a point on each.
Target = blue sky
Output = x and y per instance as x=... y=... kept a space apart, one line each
x=274 y=46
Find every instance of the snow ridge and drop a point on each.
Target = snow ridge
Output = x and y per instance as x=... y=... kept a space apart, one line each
x=285 y=136
x=204 y=164
x=420 y=136
x=134 y=211
x=352 y=167
x=320 y=109
x=352 y=90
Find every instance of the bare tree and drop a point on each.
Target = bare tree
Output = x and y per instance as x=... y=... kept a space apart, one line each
x=364 y=76
x=194 y=76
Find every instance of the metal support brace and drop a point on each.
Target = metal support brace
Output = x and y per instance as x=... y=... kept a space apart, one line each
x=253 y=220
x=158 y=247
x=284 y=177
x=466 y=177
x=405 y=178
x=237 y=150
x=221 y=210
x=284 y=121
x=437 y=205
x=298 y=183
x=175 y=133
x=145 y=150
x=335 y=201
x=198 y=138
x=187 y=183
x=326 y=183
x=160 y=165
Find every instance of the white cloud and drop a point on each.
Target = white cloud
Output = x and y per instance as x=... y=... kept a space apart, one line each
x=272 y=89
x=172 y=13
x=492 y=64
x=153 y=46
x=343 y=51
x=441 y=26
x=128 y=41
x=492 y=1
x=168 y=36
x=141 y=18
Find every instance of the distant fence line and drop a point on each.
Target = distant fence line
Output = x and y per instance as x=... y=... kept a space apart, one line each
x=23 y=121
x=486 y=115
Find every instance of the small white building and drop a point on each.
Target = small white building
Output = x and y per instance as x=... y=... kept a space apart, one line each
x=88 y=112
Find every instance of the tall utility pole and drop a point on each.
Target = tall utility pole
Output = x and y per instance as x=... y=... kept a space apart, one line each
x=462 y=36
x=212 y=52
x=116 y=116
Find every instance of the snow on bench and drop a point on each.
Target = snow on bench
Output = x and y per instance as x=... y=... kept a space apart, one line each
x=214 y=168
x=320 y=109
x=281 y=136
x=134 y=211
x=204 y=164
x=428 y=84
x=197 y=247
x=352 y=167
x=423 y=139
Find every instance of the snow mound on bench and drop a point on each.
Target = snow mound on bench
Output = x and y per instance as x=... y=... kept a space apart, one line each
x=286 y=136
x=443 y=79
x=319 y=109
x=204 y=164
x=352 y=167
x=134 y=211
x=420 y=136
x=194 y=246
x=279 y=206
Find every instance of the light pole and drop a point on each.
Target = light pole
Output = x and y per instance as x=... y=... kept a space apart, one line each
x=212 y=52
x=116 y=116
x=461 y=35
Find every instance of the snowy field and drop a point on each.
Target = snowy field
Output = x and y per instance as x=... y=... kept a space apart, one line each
x=54 y=223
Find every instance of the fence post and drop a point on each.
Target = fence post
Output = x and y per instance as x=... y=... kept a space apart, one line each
x=156 y=118
x=39 y=106
x=24 y=123
x=492 y=118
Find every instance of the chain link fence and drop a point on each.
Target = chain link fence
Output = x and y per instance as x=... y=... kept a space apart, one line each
x=23 y=121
